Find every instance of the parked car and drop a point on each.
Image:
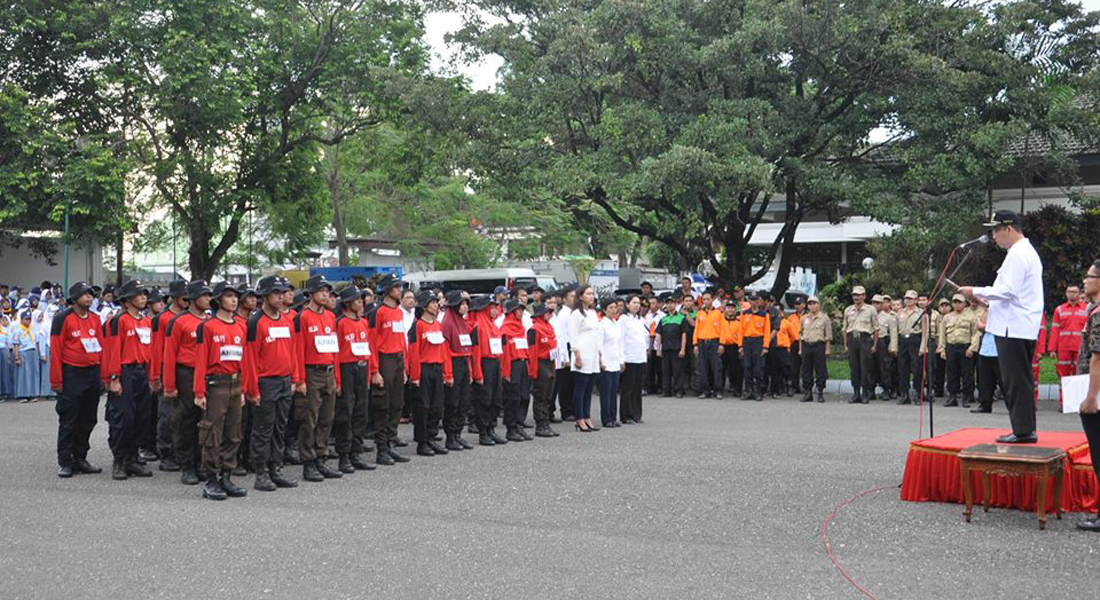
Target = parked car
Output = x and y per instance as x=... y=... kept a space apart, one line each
x=475 y=281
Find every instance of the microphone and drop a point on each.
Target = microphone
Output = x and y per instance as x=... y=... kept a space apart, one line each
x=978 y=240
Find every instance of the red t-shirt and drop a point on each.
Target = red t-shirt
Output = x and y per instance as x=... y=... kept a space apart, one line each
x=316 y=341
x=180 y=344
x=76 y=342
x=220 y=350
x=269 y=344
x=427 y=346
x=130 y=341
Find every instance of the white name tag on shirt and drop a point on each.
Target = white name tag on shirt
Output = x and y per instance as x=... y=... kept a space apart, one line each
x=91 y=345
x=326 y=344
x=434 y=337
x=464 y=340
x=232 y=353
x=496 y=345
x=279 y=333
x=360 y=348
x=398 y=326
x=521 y=343
x=145 y=335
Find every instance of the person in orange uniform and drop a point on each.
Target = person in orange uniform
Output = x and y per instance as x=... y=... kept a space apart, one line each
x=1066 y=326
x=166 y=447
x=542 y=345
x=217 y=384
x=756 y=327
x=388 y=366
x=429 y=371
x=318 y=350
x=130 y=406
x=781 y=353
x=796 y=344
x=180 y=345
x=485 y=358
x=729 y=336
x=349 y=424
x=708 y=365
x=77 y=372
x=270 y=376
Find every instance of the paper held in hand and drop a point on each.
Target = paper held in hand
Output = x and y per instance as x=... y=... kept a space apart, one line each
x=1074 y=390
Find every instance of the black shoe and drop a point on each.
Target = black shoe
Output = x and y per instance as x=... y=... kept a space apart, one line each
x=461 y=442
x=423 y=449
x=808 y=397
x=679 y=394
x=148 y=455
x=281 y=480
x=630 y=422
x=953 y=400
x=749 y=396
x=701 y=395
x=383 y=458
x=264 y=483
x=471 y=428
x=239 y=471
x=231 y=489
x=400 y=443
x=326 y=471
x=65 y=471
x=1090 y=525
x=397 y=456
x=820 y=395
x=169 y=465
x=543 y=431
x=496 y=438
x=83 y=466
x=855 y=399
x=982 y=409
x=515 y=436
x=292 y=457
x=188 y=476
x=526 y=425
x=718 y=396
x=526 y=436
x=437 y=448
x=486 y=440
x=1012 y=438
x=965 y=400
x=213 y=489
x=310 y=472
x=136 y=469
x=360 y=463
x=201 y=475
x=569 y=418
x=118 y=470
x=452 y=444
x=345 y=465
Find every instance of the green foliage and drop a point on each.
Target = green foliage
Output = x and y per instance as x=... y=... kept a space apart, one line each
x=1067 y=243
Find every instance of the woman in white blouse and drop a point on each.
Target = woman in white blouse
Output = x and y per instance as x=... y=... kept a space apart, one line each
x=611 y=362
x=635 y=346
x=585 y=341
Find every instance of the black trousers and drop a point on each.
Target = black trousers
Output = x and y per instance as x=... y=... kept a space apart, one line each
x=427 y=404
x=752 y=364
x=77 y=405
x=814 y=368
x=456 y=399
x=487 y=394
x=652 y=373
x=129 y=412
x=989 y=377
x=708 y=370
x=909 y=363
x=563 y=391
x=861 y=362
x=796 y=366
x=185 y=419
x=1091 y=425
x=688 y=366
x=885 y=366
x=269 y=423
x=780 y=365
x=672 y=372
x=386 y=402
x=147 y=438
x=938 y=368
x=960 y=370
x=1015 y=355
x=731 y=367
x=630 y=391
x=349 y=424
x=166 y=447
x=515 y=389
x=543 y=392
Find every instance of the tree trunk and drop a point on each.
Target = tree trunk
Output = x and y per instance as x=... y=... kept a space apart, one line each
x=336 y=194
x=786 y=258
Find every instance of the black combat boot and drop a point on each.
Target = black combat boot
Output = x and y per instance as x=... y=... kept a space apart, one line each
x=345 y=465
x=118 y=470
x=231 y=489
x=213 y=489
x=326 y=471
x=310 y=472
x=264 y=483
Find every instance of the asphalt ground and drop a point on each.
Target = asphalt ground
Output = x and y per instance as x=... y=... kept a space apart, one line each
x=707 y=499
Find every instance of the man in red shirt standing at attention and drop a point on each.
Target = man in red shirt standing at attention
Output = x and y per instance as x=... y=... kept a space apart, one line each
x=129 y=403
x=349 y=424
x=430 y=371
x=318 y=350
x=542 y=348
x=76 y=373
x=177 y=306
x=217 y=384
x=387 y=333
x=269 y=374
x=180 y=346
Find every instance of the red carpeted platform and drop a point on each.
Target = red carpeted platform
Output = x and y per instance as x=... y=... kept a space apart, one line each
x=932 y=471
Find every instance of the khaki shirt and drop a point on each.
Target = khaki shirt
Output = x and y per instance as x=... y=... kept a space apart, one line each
x=930 y=334
x=888 y=329
x=909 y=321
x=860 y=320
x=816 y=328
x=959 y=328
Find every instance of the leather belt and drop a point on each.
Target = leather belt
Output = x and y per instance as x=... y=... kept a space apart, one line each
x=216 y=378
x=319 y=367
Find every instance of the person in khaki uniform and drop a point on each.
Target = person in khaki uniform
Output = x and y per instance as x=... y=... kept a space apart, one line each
x=909 y=338
x=886 y=348
x=816 y=333
x=958 y=342
x=860 y=339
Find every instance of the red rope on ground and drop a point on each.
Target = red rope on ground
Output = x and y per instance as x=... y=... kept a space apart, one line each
x=825 y=533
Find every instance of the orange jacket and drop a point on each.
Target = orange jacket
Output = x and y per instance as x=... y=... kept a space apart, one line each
x=730 y=333
x=786 y=334
x=756 y=324
x=708 y=325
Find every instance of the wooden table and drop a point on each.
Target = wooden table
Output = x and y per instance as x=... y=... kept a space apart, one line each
x=1014 y=460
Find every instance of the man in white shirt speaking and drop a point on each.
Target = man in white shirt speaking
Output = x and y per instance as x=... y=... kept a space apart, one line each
x=1015 y=315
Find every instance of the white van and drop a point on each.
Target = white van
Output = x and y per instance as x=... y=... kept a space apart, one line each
x=474 y=281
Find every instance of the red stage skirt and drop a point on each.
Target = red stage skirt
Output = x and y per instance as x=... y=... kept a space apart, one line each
x=932 y=472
